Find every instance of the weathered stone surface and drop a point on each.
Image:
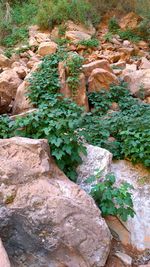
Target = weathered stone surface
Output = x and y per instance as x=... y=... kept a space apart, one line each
x=101 y=79
x=137 y=227
x=126 y=259
x=71 y=26
x=4 y=261
x=102 y=64
x=96 y=159
x=114 y=262
x=145 y=63
x=47 y=48
x=76 y=36
x=137 y=80
x=21 y=103
x=131 y=21
x=4 y=61
x=9 y=82
x=79 y=96
x=49 y=220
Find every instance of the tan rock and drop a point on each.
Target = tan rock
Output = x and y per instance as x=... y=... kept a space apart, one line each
x=47 y=48
x=4 y=61
x=102 y=64
x=4 y=261
x=138 y=80
x=143 y=45
x=71 y=26
x=78 y=236
x=79 y=96
x=21 y=103
x=145 y=63
x=76 y=36
x=126 y=259
x=101 y=79
x=21 y=71
x=9 y=82
x=114 y=262
x=131 y=21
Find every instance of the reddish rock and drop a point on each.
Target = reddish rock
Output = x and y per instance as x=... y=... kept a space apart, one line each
x=131 y=21
x=4 y=61
x=78 y=236
x=101 y=79
x=47 y=48
x=76 y=36
x=102 y=64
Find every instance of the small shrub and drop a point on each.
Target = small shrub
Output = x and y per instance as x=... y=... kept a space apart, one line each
x=108 y=37
x=110 y=199
x=90 y=43
x=113 y=25
x=129 y=35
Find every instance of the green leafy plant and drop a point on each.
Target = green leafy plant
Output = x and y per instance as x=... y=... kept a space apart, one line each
x=108 y=37
x=130 y=35
x=113 y=25
x=74 y=65
x=111 y=199
x=91 y=43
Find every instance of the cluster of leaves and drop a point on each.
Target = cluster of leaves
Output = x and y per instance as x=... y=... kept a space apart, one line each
x=91 y=43
x=56 y=118
x=111 y=199
x=74 y=65
x=126 y=133
x=128 y=34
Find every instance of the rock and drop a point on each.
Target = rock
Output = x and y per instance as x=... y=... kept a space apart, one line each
x=9 y=82
x=114 y=262
x=138 y=80
x=71 y=26
x=4 y=61
x=21 y=71
x=79 y=96
x=38 y=229
x=137 y=227
x=96 y=159
x=21 y=103
x=76 y=36
x=130 y=21
x=101 y=79
x=143 y=45
x=126 y=259
x=47 y=48
x=119 y=64
x=145 y=63
x=126 y=43
x=4 y=261
x=102 y=64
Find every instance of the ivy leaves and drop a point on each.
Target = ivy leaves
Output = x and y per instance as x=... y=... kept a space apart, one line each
x=111 y=199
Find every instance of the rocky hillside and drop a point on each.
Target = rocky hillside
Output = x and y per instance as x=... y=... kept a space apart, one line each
x=75 y=145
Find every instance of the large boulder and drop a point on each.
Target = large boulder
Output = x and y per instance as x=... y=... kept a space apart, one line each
x=101 y=79
x=138 y=80
x=21 y=103
x=48 y=220
x=131 y=21
x=47 y=48
x=102 y=64
x=79 y=95
x=71 y=26
x=135 y=232
x=9 y=82
x=97 y=158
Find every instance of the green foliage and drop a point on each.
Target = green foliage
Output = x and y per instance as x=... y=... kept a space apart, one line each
x=112 y=200
x=130 y=35
x=6 y=127
x=74 y=65
x=108 y=37
x=129 y=126
x=113 y=25
x=53 y=12
x=91 y=43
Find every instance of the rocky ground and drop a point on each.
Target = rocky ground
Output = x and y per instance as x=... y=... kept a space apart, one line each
x=45 y=219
